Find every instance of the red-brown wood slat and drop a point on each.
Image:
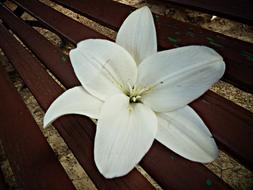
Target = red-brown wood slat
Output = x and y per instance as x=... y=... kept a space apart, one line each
x=238 y=55
x=52 y=57
x=237 y=10
x=68 y=124
x=3 y=185
x=45 y=89
x=58 y=21
x=31 y=158
x=242 y=125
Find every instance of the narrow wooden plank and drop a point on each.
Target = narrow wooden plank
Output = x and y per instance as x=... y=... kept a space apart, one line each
x=215 y=113
x=176 y=172
x=59 y=22
x=66 y=130
x=242 y=119
x=227 y=120
x=52 y=57
x=45 y=89
x=28 y=152
x=238 y=55
x=3 y=185
x=237 y=10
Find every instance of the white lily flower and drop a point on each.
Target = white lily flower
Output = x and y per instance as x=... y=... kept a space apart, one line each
x=138 y=95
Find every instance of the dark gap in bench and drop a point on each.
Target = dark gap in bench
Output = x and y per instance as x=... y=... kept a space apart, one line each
x=7 y=178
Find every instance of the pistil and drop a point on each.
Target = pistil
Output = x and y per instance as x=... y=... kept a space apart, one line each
x=135 y=99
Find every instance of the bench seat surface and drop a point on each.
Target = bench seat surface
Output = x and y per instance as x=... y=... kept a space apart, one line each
x=163 y=165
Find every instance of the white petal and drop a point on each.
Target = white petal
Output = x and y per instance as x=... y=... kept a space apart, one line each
x=178 y=76
x=185 y=133
x=124 y=135
x=103 y=67
x=138 y=35
x=73 y=101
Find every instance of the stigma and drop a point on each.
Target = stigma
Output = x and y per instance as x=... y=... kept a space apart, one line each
x=135 y=99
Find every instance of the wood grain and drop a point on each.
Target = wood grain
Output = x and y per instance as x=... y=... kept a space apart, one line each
x=237 y=10
x=45 y=90
x=31 y=158
x=79 y=133
x=171 y=33
x=209 y=103
x=170 y=170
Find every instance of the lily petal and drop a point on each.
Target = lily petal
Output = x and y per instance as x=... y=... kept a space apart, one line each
x=137 y=34
x=125 y=132
x=185 y=133
x=73 y=101
x=174 y=78
x=103 y=67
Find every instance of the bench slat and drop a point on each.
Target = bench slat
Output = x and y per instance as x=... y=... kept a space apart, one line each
x=176 y=172
x=230 y=124
x=209 y=103
x=238 y=55
x=45 y=89
x=50 y=57
x=200 y=172
x=77 y=130
x=58 y=21
x=30 y=156
x=238 y=10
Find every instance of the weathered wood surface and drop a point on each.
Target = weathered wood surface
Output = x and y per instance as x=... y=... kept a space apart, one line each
x=242 y=118
x=75 y=130
x=238 y=10
x=168 y=169
x=238 y=55
x=79 y=132
x=45 y=89
x=34 y=163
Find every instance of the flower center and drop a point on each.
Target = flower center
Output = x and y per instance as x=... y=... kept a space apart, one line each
x=134 y=93
x=135 y=99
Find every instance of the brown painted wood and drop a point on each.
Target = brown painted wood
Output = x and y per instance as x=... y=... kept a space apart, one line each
x=90 y=130
x=3 y=185
x=45 y=89
x=31 y=158
x=69 y=124
x=52 y=57
x=58 y=22
x=79 y=131
x=242 y=119
x=238 y=55
x=176 y=172
x=156 y=159
x=227 y=120
x=237 y=10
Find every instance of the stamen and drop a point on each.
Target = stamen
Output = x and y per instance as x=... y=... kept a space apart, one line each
x=130 y=88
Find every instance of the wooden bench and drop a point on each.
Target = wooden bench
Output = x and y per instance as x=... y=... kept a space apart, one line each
x=237 y=10
x=34 y=164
